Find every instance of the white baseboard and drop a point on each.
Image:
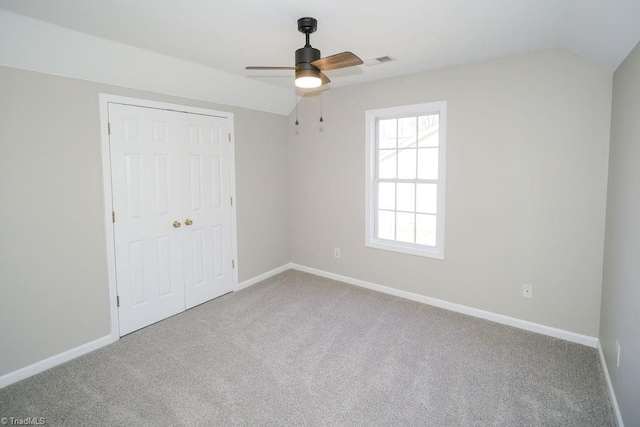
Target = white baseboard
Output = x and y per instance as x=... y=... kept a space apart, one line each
x=263 y=276
x=459 y=308
x=612 y=394
x=43 y=365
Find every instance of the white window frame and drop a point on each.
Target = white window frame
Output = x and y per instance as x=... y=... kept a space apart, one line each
x=371 y=151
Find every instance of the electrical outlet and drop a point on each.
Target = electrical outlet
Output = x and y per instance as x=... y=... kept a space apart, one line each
x=527 y=291
x=336 y=252
x=617 y=354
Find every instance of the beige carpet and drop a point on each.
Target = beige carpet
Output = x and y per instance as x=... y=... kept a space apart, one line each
x=298 y=349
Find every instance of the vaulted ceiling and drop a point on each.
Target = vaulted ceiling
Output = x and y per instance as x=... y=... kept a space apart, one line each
x=419 y=34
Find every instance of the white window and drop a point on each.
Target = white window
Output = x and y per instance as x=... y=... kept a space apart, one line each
x=405 y=149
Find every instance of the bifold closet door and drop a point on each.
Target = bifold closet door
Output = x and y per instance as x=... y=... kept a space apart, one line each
x=207 y=209
x=172 y=228
x=145 y=170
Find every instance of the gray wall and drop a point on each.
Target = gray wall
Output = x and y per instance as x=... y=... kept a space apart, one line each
x=527 y=152
x=620 y=317
x=53 y=278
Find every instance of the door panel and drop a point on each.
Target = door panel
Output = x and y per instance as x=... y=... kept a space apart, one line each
x=162 y=191
x=208 y=205
x=146 y=196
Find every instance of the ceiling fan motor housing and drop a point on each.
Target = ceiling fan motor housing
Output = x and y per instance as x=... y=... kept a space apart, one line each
x=307 y=55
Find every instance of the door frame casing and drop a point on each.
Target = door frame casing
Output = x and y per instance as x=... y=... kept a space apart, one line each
x=104 y=101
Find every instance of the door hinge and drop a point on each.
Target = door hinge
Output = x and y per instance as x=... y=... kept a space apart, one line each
x=118 y=301
x=109 y=128
x=233 y=263
x=229 y=137
x=231 y=200
x=113 y=216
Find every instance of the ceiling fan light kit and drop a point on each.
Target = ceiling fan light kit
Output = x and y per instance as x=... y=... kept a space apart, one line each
x=308 y=76
x=307 y=82
x=309 y=64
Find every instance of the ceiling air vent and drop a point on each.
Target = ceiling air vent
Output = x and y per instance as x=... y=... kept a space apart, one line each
x=379 y=60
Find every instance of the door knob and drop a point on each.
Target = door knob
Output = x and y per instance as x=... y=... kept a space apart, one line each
x=176 y=224
x=188 y=222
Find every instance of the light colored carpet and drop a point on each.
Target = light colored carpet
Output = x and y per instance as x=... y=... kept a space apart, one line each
x=298 y=349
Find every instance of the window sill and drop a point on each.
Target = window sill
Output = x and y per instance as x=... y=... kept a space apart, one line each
x=387 y=245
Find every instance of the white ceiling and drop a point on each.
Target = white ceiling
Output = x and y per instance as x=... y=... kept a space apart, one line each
x=421 y=34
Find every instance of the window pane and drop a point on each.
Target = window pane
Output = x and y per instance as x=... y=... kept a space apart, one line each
x=405 y=227
x=426 y=230
x=427 y=195
x=407 y=132
x=387 y=132
x=386 y=195
x=407 y=164
x=386 y=225
x=428 y=163
x=406 y=197
x=387 y=164
x=428 y=127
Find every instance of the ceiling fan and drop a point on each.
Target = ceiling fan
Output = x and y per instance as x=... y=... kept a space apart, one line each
x=309 y=64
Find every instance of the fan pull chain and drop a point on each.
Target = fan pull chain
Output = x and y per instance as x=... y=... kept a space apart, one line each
x=296 y=100
x=321 y=119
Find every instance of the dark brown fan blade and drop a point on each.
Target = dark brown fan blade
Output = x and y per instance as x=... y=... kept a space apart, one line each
x=339 y=60
x=270 y=68
x=324 y=78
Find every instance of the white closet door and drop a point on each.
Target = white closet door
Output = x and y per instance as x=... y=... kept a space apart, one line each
x=171 y=188
x=207 y=209
x=146 y=171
